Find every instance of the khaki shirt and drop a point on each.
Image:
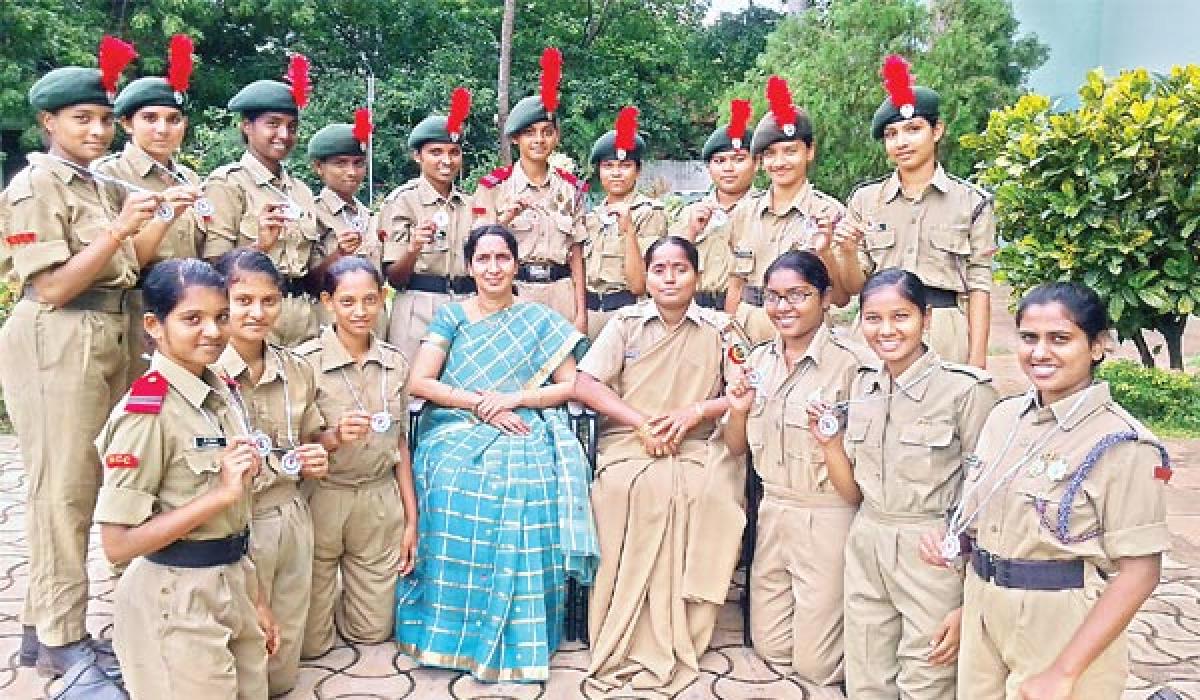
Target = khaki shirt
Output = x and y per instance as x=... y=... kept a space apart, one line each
x=604 y=251
x=156 y=463
x=759 y=234
x=380 y=383
x=785 y=454
x=545 y=231
x=238 y=192
x=185 y=235
x=286 y=389
x=67 y=213
x=946 y=236
x=1120 y=501
x=335 y=215
x=907 y=440
x=713 y=243
x=412 y=204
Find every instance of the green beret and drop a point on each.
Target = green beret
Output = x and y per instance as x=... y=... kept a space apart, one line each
x=768 y=132
x=526 y=113
x=334 y=140
x=71 y=85
x=431 y=129
x=926 y=106
x=264 y=96
x=719 y=142
x=146 y=92
x=605 y=148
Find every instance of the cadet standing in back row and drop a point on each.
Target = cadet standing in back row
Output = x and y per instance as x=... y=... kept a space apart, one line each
x=257 y=203
x=924 y=220
x=423 y=225
x=622 y=228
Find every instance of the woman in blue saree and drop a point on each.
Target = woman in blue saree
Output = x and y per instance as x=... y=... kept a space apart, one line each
x=501 y=480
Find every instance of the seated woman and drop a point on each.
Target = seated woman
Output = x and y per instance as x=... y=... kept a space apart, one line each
x=501 y=480
x=665 y=490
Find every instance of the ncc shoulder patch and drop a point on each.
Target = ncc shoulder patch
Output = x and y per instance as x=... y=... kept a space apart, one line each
x=495 y=177
x=147 y=393
x=572 y=179
x=14 y=240
x=121 y=460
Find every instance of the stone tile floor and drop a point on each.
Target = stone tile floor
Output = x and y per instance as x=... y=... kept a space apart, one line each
x=1165 y=649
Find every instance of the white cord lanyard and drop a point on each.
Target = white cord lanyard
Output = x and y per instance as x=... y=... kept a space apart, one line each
x=292 y=210
x=381 y=420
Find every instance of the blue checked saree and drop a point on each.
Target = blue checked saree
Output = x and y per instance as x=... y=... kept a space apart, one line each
x=504 y=520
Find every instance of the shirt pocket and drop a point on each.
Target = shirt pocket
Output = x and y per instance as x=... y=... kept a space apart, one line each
x=1042 y=502
x=928 y=453
x=743 y=261
x=756 y=426
x=203 y=469
x=879 y=239
x=797 y=438
x=953 y=239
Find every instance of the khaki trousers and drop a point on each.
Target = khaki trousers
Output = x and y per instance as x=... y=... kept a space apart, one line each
x=190 y=633
x=357 y=532
x=411 y=315
x=559 y=295
x=62 y=372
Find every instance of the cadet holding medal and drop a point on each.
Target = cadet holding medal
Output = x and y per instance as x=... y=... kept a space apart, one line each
x=803 y=520
x=365 y=511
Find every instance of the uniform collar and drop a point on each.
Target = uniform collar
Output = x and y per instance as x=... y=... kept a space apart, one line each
x=143 y=164
x=232 y=364
x=816 y=346
x=637 y=200
x=194 y=389
x=1064 y=411
x=259 y=171
x=802 y=202
x=914 y=381
x=335 y=203
x=711 y=198
x=520 y=180
x=60 y=169
x=334 y=355
x=941 y=182
x=650 y=311
x=429 y=195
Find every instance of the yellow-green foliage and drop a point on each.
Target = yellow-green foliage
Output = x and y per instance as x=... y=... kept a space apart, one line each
x=1167 y=401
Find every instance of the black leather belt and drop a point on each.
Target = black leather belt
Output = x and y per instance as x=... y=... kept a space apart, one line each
x=196 y=554
x=295 y=287
x=109 y=301
x=941 y=298
x=610 y=301
x=542 y=273
x=1027 y=574
x=752 y=295
x=711 y=300
x=437 y=284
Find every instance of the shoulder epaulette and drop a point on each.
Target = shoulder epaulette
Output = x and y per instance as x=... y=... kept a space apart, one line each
x=21 y=186
x=974 y=187
x=826 y=196
x=307 y=348
x=147 y=393
x=495 y=177
x=637 y=310
x=571 y=179
x=867 y=183
x=861 y=352
x=223 y=171
x=974 y=372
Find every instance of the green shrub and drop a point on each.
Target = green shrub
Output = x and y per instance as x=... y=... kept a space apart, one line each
x=1167 y=401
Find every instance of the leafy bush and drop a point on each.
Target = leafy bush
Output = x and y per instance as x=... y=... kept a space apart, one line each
x=1167 y=401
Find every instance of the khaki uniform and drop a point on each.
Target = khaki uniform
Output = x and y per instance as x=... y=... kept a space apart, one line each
x=180 y=632
x=759 y=235
x=946 y=237
x=907 y=443
x=604 y=251
x=1010 y=634
x=62 y=371
x=799 y=556
x=281 y=531
x=357 y=514
x=334 y=216
x=183 y=239
x=406 y=208
x=238 y=192
x=545 y=232
x=713 y=243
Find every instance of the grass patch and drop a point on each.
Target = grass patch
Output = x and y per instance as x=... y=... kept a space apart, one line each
x=1168 y=402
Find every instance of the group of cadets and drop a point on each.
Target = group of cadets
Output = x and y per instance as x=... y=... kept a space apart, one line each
x=79 y=237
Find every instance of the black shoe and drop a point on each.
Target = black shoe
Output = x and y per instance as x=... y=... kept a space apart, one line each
x=84 y=680
x=55 y=661
x=29 y=646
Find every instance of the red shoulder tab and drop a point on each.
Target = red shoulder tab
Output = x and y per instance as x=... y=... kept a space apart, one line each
x=495 y=177
x=572 y=179
x=121 y=460
x=146 y=394
x=19 y=239
x=1163 y=473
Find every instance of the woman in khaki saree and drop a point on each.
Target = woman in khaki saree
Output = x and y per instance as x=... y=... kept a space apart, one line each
x=665 y=490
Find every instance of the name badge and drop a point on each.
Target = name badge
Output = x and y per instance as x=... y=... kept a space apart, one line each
x=631 y=354
x=207 y=443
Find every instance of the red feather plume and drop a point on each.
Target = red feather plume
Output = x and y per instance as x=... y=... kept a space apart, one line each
x=297 y=75
x=626 y=126
x=780 y=99
x=898 y=81
x=114 y=56
x=460 y=107
x=179 y=63
x=739 y=119
x=362 y=126
x=551 y=76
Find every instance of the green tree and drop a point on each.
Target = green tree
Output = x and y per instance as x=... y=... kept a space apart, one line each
x=968 y=50
x=1108 y=194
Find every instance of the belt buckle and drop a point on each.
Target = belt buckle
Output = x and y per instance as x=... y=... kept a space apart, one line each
x=987 y=565
x=538 y=272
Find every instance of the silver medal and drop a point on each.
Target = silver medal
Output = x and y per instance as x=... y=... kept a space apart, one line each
x=829 y=424
x=290 y=464
x=262 y=443
x=753 y=378
x=358 y=224
x=717 y=218
x=950 y=547
x=292 y=211
x=165 y=212
x=204 y=207
x=381 y=422
x=441 y=220
x=609 y=218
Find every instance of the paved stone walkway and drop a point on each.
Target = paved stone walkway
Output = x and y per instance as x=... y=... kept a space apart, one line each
x=1166 y=634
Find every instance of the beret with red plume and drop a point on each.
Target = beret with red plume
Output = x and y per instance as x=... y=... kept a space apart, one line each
x=739 y=119
x=297 y=75
x=626 y=127
x=779 y=97
x=551 y=76
x=179 y=64
x=362 y=126
x=898 y=82
x=114 y=56
x=460 y=107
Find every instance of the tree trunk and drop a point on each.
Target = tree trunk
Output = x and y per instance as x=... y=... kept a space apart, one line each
x=502 y=83
x=1172 y=329
x=1139 y=341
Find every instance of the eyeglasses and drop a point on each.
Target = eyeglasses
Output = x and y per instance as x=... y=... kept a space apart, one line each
x=794 y=297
